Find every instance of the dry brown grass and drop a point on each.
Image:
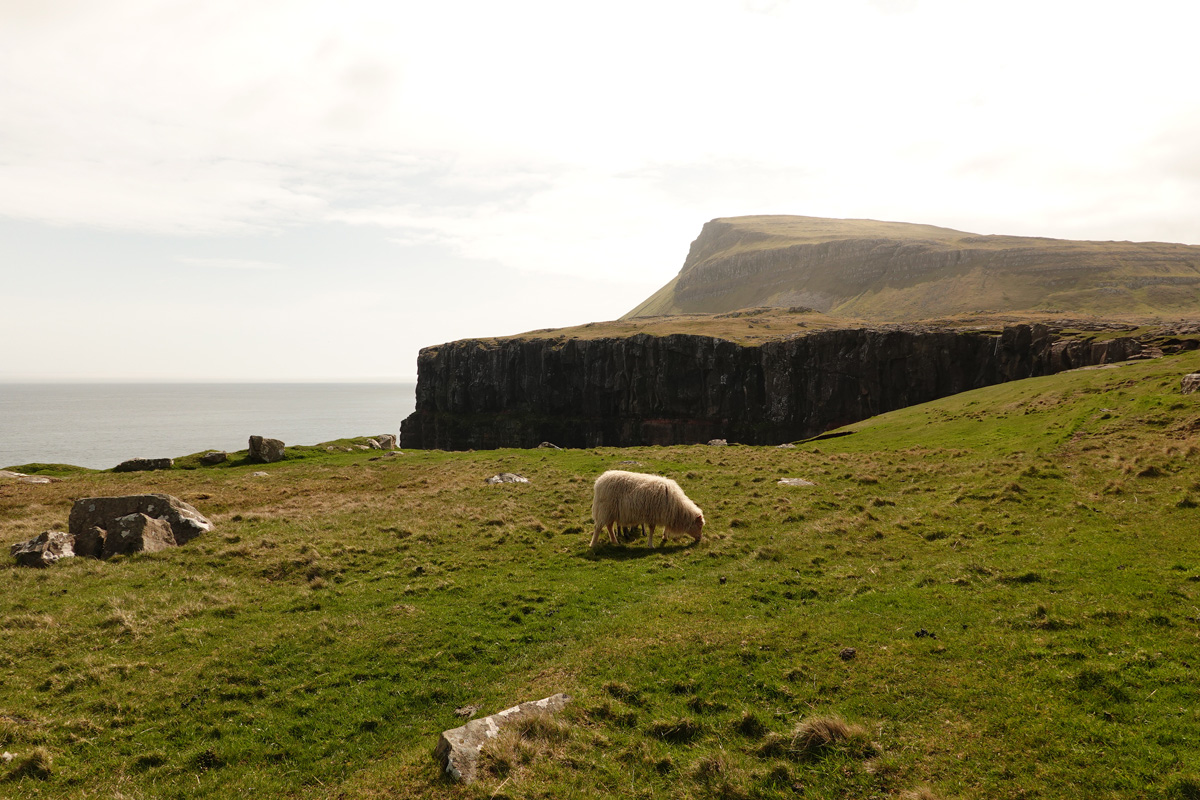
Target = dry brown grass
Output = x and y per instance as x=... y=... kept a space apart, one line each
x=819 y=735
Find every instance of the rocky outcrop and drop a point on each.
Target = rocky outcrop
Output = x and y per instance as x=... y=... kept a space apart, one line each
x=264 y=450
x=1190 y=384
x=685 y=389
x=102 y=527
x=108 y=513
x=144 y=464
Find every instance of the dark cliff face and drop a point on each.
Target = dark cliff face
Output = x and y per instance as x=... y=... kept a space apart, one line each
x=682 y=389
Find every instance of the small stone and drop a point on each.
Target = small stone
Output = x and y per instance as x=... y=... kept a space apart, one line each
x=548 y=446
x=847 y=654
x=467 y=711
x=374 y=445
x=214 y=457
x=387 y=441
x=1190 y=383
x=260 y=474
x=507 y=477
x=785 y=446
x=717 y=443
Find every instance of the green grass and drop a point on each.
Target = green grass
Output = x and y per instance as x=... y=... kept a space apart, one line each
x=1017 y=569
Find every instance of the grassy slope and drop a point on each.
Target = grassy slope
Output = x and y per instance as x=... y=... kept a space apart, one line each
x=317 y=641
x=1149 y=280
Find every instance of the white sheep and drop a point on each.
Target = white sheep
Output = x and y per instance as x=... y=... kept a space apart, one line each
x=625 y=499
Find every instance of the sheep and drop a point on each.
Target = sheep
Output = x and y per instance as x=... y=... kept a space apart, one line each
x=625 y=499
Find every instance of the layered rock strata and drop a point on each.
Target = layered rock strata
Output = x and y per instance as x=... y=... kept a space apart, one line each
x=687 y=389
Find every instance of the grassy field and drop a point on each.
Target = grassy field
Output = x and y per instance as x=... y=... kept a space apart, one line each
x=1016 y=569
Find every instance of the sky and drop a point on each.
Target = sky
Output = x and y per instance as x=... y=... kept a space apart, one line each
x=313 y=191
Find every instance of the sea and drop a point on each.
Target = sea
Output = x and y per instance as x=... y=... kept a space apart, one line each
x=99 y=425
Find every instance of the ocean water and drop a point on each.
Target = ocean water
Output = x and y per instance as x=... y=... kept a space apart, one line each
x=100 y=425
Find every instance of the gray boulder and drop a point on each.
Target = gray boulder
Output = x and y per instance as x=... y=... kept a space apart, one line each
x=89 y=543
x=265 y=451
x=458 y=749
x=214 y=457
x=102 y=512
x=44 y=550
x=137 y=533
x=1190 y=383
x=144 y=464
x=387 y=441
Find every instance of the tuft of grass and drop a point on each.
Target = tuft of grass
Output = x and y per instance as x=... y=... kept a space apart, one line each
x=38 y=765
x=820 y=736
x=678 y=731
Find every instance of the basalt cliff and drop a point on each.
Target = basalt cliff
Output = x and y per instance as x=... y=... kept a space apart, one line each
x=649 y=389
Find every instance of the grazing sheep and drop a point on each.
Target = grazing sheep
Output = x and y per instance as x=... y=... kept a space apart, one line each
x=625 y=499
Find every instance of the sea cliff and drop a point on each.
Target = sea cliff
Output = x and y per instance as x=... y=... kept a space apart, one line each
x=686 y=389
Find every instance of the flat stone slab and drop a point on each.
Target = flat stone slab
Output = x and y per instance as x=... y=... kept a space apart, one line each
x=458 y=749
x=795 y=482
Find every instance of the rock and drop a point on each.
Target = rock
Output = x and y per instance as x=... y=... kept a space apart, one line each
x=101 y=512
x=1190 y=383
x=374 y=445
x=44 y=549
x=265 y=451
x=795 y=481
x=144 y=464
x=848 y=654
x=548 y=446
x=214 y=457
x=458 y=749
x=6 y=473
x=717 y=443
x=260 y=474
x=137 y=533
x=387 y=441
x=507 y=477
x=37 y=479
x=89 y=543
x=466 y=711
x=786 y=446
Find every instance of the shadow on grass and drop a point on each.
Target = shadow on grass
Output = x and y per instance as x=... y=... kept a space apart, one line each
x=619 y=552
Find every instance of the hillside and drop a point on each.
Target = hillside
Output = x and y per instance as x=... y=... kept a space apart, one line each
x=900 y=272
x=999 y=588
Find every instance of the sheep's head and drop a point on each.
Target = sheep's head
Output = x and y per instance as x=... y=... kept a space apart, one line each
x=696 y=527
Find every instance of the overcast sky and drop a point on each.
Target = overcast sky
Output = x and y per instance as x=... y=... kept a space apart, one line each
x=258 y=190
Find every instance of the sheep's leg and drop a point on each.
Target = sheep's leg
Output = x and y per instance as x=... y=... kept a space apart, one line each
x=596 y=535
x=612 y=536
x=651 y=539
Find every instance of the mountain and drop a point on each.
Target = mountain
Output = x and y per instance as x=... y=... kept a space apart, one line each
x=901 y=272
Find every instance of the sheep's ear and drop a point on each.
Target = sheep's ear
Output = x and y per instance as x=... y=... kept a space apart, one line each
x=699 y=518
